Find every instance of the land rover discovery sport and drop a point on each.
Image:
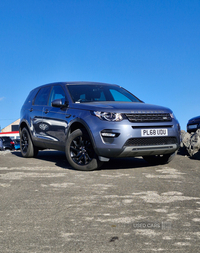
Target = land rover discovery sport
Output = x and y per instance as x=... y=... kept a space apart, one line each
x=93 y=122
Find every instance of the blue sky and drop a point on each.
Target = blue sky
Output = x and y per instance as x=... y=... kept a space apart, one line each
x=150 y=47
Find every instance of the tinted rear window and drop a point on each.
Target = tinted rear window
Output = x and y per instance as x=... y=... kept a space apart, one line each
x=31 y=96
x=42 y=96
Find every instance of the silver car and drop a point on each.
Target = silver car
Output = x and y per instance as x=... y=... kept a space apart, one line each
x=93 y=122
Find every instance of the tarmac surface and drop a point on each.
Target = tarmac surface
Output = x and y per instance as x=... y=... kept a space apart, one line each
x=126 y=206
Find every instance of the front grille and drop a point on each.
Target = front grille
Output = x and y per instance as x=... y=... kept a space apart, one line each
x=150 y=141
x=148 y=117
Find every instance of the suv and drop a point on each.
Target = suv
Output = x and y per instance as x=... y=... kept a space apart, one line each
x=93 y=122
x=193 y=124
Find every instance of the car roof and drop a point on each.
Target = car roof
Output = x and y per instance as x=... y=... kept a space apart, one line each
x=76 y=83
x=88 y=83
x=5 y=137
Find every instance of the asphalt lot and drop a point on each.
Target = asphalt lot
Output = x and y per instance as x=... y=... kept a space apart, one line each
x=126 y=206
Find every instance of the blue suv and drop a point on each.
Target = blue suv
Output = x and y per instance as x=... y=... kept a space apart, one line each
x=93 y=122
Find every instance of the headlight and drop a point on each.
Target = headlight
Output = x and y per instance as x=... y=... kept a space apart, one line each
x=172 y=115
x=109 y=116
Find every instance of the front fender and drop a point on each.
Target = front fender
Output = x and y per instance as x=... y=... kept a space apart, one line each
x=79 y=123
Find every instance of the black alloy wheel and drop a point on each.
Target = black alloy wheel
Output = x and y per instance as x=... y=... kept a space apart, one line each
x=79 y=151
x=26 y=145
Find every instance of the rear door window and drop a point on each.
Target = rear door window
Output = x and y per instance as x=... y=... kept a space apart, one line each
x=43 y=96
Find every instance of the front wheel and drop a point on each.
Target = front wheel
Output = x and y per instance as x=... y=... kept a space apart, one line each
x=28 y=150
x=80 y=153
x=159 y=159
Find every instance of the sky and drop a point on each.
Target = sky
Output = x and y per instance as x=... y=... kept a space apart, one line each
x=149 y=47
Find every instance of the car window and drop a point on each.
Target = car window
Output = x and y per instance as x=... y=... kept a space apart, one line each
x=57 y=92
x=94 y=93
x=85 y=93
x=117 y=96
x=31 y=96
x=42 y=96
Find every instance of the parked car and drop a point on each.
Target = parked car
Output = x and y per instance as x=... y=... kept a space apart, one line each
x=193 y=124
x=8 y=143
x=93 y=122
x=1 y=144
x=17 y=144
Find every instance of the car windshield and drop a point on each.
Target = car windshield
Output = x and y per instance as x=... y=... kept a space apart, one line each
x=98 y=93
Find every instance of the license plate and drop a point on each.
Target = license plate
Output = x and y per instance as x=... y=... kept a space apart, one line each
x=154 y=132
x=192 y=126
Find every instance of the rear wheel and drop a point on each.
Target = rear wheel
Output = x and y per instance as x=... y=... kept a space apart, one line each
x=159 y=159
x=79 y=151
x=26 y=145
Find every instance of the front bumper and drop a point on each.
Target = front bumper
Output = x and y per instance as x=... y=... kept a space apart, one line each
x=139 y=151
x=126 y=140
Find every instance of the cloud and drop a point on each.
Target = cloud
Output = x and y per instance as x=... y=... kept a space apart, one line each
x=1 y=98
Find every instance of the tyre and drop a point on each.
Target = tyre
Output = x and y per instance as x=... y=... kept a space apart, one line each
x=159 y=159
x=28 y=150
x=80 y=153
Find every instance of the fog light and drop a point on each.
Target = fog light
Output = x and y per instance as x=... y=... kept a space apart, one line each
x=108 y=134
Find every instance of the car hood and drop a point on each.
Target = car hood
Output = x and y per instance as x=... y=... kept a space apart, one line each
x=194 y=119
x=123 y=107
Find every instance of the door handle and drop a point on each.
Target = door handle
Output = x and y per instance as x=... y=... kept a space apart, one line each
x=31 y=110
x=46 y=111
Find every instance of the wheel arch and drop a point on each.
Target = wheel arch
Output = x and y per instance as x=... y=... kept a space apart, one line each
x=23 y=124
x=77 y=124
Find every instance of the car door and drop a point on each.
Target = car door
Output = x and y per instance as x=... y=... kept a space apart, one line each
x=36 y=113
x=54 y=119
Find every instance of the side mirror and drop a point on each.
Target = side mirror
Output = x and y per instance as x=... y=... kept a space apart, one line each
x=59 y=103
